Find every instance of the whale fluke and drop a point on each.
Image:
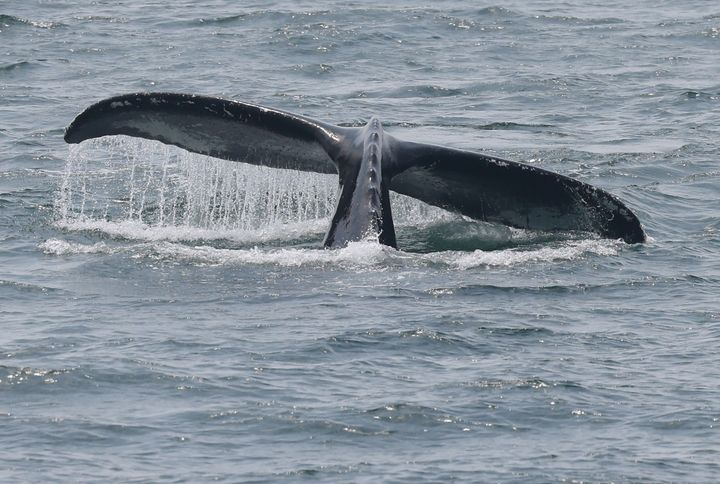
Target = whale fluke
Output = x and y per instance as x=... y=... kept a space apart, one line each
x=369 y=163
x=214 y=127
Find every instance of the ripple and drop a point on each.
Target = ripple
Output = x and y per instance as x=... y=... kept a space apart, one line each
x=701 y=96
x=421 y=338
x=507 y=125
x=423 y=90
x=531 y=384
x=26 y=376
x=417 y=416
x=10 y=20
x=525 y=331
x=15 y=66
x=205 y=347
x=28 y=288
x=568 y=19
x=229 y=19
x=496 y=11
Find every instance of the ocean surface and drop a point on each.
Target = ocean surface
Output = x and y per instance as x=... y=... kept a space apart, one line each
x=168 y=317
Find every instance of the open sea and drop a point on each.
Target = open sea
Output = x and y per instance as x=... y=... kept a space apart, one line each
x=169 y=317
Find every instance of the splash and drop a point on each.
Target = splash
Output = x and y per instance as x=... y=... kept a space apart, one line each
x=161 y=186
x=358 y=256
x=160 y=202
x=146 y=190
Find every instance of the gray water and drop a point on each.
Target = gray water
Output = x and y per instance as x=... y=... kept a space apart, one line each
x=170 y=317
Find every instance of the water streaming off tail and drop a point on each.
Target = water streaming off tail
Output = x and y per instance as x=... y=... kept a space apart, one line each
x=128 y=180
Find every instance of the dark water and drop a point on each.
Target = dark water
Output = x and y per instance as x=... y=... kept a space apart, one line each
x=168 y=317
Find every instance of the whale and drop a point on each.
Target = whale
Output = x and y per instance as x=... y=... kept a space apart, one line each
x=369 y=163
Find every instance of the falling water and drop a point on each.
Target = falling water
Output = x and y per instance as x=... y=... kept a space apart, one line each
x=152 y=185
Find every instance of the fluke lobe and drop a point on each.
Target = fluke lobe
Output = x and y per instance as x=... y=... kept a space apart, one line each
x=369 y=163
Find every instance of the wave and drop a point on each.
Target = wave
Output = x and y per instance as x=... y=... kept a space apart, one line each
x=357 y=255
x=15 y=65
x=411 y=91
x=509 y=125
x=174 y=205
x=16 y=375
x=494 y=126
x=135 y=230
x=568 y=19
x=26 y=288
x=701 y=95
x=10 y=20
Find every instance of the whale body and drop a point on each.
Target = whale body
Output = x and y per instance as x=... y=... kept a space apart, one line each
x=369 y=163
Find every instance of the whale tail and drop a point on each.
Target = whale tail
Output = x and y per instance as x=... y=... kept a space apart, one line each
x=475 y=185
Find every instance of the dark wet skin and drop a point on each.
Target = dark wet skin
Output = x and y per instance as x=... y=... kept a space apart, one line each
x=363 y=208
x=369 y=163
